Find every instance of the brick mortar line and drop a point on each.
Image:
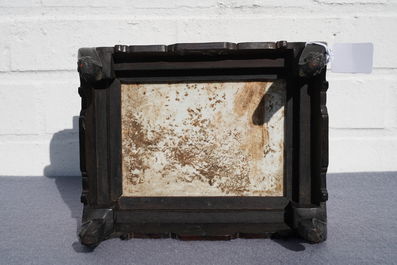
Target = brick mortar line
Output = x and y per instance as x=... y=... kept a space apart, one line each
x=231 y=16
x=380 y=138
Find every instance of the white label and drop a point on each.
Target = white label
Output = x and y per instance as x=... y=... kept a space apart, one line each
x=352 y=58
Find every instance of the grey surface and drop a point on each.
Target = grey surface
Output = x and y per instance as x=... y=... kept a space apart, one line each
x=40 y=219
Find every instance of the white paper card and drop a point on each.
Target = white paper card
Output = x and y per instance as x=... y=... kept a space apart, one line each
x=352 y=58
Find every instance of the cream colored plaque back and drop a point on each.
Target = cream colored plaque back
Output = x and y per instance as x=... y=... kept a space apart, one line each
x=203 y=139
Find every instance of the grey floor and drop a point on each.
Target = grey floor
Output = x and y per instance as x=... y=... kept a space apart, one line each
x=40 y=219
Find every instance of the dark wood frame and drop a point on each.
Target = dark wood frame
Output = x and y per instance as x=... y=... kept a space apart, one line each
x=302 y=209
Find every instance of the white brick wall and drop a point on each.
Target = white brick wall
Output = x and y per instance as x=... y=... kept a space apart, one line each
x=39 y=42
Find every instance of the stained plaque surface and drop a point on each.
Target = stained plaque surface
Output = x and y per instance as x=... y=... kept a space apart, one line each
x=203 y=139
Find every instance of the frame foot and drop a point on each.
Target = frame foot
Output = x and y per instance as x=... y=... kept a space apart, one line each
x=97 y=226
x=313 y=230
x=311 y=223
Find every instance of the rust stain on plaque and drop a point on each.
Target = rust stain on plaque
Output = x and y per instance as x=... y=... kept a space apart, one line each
x=205 y=139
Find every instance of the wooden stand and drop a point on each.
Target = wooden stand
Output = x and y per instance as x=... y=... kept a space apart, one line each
x=297 y=207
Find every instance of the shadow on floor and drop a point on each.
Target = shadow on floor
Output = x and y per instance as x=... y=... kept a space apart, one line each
x=64 y=168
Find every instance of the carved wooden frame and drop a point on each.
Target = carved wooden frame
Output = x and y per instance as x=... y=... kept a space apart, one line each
x=302 y=208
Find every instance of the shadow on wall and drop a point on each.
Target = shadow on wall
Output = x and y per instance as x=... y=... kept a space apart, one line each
x=65 y=170
x=64 y=153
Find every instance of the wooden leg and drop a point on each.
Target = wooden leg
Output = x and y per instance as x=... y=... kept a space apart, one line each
x=97 y=226
x=313 y=230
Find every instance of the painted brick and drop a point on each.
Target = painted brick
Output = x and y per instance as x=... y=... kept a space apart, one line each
x=123 y=4
x=74 y=3
x=61 y=105
x=53 y=44
x=40 y=38
x=359 y=155
x=357 y=102
x=160 y=4
x=391 y=105
x=5 y=63
x=333 y=2
x=19 y=3
x=18 y=108
x=23 y=158
x=345 y=133
x=38 y=158
x=372 y=29
x=331 y=30
x=4 y=58
x=159 y=9
x=64 y=155
x=239 y=4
